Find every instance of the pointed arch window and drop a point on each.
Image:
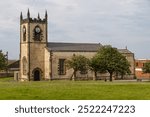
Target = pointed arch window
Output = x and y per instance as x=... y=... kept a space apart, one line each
x=24 y=33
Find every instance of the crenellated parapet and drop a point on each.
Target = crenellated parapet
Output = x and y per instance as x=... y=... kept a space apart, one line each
x=28 y=19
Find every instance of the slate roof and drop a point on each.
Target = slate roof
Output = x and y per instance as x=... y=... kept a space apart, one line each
x=78 y=47
x=11 y=61
x=14 y=64
x=125 y=51
x=81 y=47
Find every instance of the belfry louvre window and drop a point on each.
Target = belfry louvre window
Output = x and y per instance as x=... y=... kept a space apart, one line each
x=61 y=67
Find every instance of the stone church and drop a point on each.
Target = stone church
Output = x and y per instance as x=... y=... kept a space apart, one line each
x=43 y=60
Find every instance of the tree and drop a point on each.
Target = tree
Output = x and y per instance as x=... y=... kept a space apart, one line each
x=123 y=67
x=96 y=65
x=110 y=60
x=3 y=61
x=78 y=63
x=146 y=68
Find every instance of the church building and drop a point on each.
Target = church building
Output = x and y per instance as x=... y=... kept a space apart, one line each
x=43 y=60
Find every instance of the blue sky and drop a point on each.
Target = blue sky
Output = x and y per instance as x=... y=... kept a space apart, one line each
x=119 y=23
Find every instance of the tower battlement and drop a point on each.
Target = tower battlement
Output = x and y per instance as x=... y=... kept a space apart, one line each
x=31 y=20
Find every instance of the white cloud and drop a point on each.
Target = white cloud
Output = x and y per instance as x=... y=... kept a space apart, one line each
x=117 y=22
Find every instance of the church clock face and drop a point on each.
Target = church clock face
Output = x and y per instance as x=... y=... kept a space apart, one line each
x=37 y=33
x=37 y=30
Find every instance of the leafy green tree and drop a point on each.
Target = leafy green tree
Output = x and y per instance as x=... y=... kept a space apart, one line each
x=78 y=63
x=123 y=67
x=146 y=68
x=96 y=65
x=3 y=61
x=110 y=60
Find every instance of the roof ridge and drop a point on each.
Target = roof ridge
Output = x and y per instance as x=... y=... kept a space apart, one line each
x=74 y=43
x=125 y=49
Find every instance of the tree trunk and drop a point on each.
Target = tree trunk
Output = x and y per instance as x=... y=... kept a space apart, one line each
x=71 y=76
x=111 y=73
x=74 y=73
x=95 y=75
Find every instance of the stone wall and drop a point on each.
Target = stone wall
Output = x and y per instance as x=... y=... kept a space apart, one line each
x=130 y=58
x=69 y=72
x=37 y=59
x=33 y=50
x=66 y=55
x=2 y=75
x=47 y=68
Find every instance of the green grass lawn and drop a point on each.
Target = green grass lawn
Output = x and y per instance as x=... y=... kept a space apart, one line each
x=73 y=90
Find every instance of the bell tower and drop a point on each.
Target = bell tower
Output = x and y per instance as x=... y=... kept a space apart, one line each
x=33 y=40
